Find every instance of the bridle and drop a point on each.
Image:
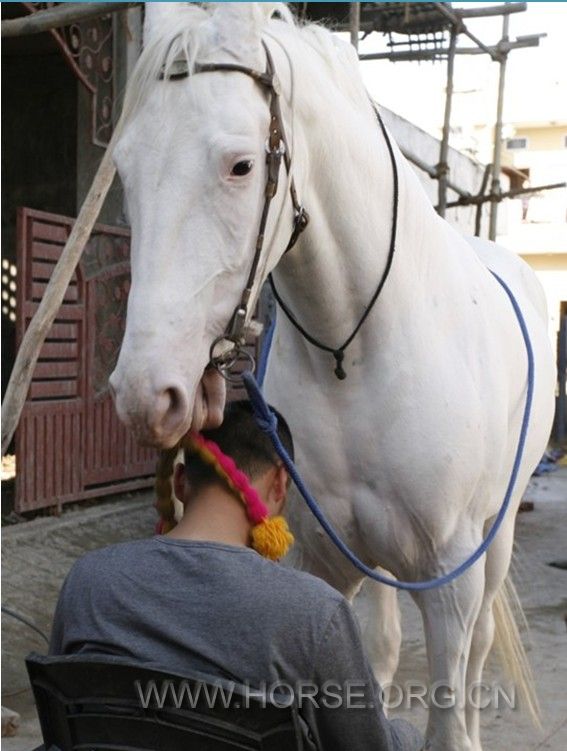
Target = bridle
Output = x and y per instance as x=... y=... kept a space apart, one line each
x=227 y=348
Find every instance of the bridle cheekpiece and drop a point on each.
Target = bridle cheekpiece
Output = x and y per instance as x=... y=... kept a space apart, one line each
x=229 y=346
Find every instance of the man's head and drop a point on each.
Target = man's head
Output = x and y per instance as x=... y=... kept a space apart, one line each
x=240 y=438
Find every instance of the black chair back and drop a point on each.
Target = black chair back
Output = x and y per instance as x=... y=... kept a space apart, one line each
x=112 y=704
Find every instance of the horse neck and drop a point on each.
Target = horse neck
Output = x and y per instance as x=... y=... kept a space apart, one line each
x=347 y=188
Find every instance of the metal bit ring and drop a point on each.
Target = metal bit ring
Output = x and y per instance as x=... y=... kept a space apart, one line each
x=224 y=362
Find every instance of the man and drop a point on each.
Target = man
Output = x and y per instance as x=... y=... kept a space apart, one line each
x=203 y=599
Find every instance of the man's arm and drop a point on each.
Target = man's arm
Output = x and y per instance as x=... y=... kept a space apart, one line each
x=349 y=714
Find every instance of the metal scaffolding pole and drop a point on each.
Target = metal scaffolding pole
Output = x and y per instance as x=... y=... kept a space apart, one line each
x=481 y=192
x=469 y=200
x=494 y=10
x=457 y=22
x=498 y=53
x=432 y=172
x=370 y=19
x=526 y=41
x=495 y=187
x=354 y=24
x=443 y=166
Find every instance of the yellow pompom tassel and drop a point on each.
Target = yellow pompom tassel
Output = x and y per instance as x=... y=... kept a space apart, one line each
x=272 y=538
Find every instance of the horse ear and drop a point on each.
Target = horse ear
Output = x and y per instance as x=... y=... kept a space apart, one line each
x=241 y=24
x=268 y=9
x=156 y=15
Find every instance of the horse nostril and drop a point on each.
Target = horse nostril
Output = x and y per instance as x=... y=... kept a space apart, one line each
x=173 y=404
x=157 y=414
x=175 y=400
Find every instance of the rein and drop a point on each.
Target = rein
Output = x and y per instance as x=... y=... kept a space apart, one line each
x=267 y=421
x=276 y=150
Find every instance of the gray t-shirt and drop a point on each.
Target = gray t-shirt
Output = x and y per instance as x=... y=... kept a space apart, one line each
x=225 y=611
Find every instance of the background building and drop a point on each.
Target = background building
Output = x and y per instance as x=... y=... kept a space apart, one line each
x=61 y=95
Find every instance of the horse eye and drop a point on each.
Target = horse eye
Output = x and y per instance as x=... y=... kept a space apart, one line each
x=241 y=169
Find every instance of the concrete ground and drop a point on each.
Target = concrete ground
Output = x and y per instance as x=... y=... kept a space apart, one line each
x=36 y=556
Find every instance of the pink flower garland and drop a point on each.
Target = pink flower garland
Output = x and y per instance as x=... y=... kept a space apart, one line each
x=225 y=467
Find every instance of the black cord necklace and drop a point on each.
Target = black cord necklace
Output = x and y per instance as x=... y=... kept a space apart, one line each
x=339 y=352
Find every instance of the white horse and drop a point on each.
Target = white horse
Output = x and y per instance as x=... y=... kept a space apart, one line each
x=411 y=454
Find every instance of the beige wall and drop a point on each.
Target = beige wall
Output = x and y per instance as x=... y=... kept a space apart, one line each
x=540 y=238
x=551 y=270
x=549 y=138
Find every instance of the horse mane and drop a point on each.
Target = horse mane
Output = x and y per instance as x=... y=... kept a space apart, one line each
x=191 y=32
x=182 y=38
x=340 y=58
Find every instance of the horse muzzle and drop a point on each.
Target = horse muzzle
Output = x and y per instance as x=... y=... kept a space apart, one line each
x=161 y=414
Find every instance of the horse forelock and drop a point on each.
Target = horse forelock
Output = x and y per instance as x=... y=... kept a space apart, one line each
x=199 y=32
x=180 y=37
x=189 y=32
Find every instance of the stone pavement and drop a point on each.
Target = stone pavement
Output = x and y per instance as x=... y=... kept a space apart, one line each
x=549 y=487
x=37 y=555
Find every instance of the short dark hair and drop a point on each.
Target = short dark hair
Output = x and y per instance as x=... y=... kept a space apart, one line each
x=240 y=438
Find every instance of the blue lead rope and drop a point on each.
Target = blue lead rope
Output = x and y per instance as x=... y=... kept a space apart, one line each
x=267 y=421
x=262 y=365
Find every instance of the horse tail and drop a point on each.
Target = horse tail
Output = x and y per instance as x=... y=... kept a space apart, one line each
x=509 y=617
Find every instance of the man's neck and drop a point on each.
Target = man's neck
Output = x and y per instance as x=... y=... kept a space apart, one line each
x=214 y=515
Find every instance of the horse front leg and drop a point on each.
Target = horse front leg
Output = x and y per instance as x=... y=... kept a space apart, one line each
x=378 y=612
x=449 y=614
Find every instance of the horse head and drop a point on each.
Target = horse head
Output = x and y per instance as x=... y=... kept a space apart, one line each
x=191 y=153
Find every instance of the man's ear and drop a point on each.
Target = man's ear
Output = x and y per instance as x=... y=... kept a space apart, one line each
x=179 y=482
x=278 y=486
